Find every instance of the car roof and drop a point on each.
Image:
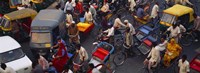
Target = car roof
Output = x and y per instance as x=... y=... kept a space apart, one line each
x=7 y=43
x=48 y=17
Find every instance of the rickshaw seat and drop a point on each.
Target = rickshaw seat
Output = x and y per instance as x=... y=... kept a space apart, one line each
x=195 y=64
x=140 y=20
x=100 y=53
x=147 y=42
x=85 y=27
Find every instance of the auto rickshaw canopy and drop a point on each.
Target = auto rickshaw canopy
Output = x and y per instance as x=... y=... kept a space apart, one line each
x=19 y=14
x=47 y=19
x=178 y=11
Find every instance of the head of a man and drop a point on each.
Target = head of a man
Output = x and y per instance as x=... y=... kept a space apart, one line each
x=91 y=66
x=126 y=22
x=184 y=57
x=78 y=46
x=118 y=16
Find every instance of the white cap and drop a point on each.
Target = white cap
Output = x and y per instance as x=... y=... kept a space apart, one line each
x=125 y=21
x=73 y=22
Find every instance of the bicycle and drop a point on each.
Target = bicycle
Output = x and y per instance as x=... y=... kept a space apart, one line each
x=187 y=38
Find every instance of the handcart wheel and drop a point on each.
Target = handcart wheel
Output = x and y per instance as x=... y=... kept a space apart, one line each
x=119 y=58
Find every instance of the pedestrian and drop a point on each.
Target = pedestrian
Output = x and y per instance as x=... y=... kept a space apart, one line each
x=104 y=9
x=83 y=55
x=132 y=29
x=118 y=23
x=185 y=2
x=196 y=26
x=153 y=59
x=132 y=5
x=42 y=61
x=69 y=18
x=88 y=16
x=92 y=10
x=73 y=33
x=92 y=69
x=154 y=12
x=36 y=67
x=6 y=69
x=183 y=64
x=68 y=6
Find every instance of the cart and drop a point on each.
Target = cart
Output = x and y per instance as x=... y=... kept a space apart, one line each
x=146 y=35
x=195 y=63
x=101 y=54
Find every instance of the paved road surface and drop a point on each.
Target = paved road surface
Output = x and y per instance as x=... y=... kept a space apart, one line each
x=133 y=64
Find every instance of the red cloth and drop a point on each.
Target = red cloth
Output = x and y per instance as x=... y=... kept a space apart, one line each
x=79 y=7
x=59 y=63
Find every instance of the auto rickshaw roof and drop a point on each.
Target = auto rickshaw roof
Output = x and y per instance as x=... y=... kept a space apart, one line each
x=19 y=14
x=178 y=10
x=48 y=17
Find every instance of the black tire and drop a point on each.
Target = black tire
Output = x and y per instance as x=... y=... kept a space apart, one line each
x=186 y=40
x=119 y=58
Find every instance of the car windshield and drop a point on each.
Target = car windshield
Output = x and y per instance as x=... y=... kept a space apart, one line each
x=4 y=23
x=11 y=55
x=168 y=18
x=41 y=37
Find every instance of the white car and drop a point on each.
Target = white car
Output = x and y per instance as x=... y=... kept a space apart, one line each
x=12 y=55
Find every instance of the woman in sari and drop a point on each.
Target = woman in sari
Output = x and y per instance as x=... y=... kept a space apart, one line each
x=173 y=51
x=60 y=58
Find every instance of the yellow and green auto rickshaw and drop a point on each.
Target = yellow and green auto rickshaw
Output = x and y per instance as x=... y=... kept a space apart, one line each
x=177 y=12
x=17 y=23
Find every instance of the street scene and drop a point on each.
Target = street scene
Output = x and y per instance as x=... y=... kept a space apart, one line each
x=100 y=36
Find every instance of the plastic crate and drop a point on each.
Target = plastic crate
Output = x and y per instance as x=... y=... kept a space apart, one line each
x=144 y=49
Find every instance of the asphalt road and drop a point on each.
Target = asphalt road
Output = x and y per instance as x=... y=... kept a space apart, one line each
x=133 y=64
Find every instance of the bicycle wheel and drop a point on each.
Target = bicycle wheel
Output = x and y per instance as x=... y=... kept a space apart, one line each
x=119 y=58
x=187 y=40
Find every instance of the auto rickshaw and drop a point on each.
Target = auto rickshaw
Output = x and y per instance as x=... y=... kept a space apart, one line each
x=45 y=28
x=17 y=23
x=177 y=12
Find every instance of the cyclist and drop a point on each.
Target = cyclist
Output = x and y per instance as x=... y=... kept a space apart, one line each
x=110 y=33
x=128 y=42
x=174 y=31
x=196 y=26
x=132 y=29
x=153 y=59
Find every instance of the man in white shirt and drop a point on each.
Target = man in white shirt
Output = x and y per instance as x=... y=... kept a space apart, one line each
x=92 y=10
x=88 y=16
x=6 y=69
x=174 y=31
x=183 y=64
x=155 y=9
x=132 y=29
x=132 y=5
x=185 y=2
x=82 y=53
x=153 y=59
x=117 y=22
x=69 y=18
x=110 y=34
x=68 y=6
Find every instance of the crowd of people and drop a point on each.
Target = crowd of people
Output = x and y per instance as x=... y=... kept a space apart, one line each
x=167 y=50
